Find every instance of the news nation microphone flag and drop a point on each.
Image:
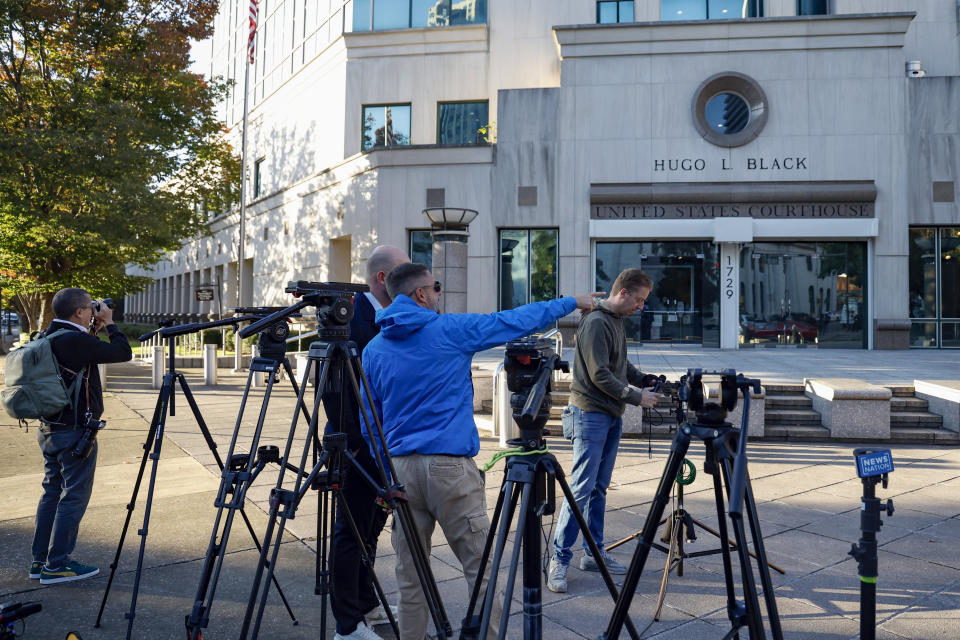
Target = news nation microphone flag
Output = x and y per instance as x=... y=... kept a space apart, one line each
x=253 y=30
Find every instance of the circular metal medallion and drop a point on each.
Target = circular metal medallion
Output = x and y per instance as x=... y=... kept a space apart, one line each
x=729 y=109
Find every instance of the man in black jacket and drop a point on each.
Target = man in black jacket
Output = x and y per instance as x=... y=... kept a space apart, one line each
x=68 y=480
x=354 y=598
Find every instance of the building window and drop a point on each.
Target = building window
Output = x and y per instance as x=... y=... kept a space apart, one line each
x=258 y=177
x=421 y=247
x=613 y=11
x=385 y=125
x=934 y=272
x=375 y=15
x=460 y=122
x=710 y=9
x=528 y=266
x=813 y=7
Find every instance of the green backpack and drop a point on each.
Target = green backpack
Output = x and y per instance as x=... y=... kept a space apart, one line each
x=34 y=386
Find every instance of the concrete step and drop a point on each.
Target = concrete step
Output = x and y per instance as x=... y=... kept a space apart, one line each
x=787 y=402
x=783 y=389
x=912 y=419
x=907 y=403
x=796 y=432
x=900 y=390
x=914 y=435
x=788 y=417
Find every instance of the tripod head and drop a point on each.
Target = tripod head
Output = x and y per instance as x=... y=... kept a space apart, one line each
x=530 y=363
x=333 y=302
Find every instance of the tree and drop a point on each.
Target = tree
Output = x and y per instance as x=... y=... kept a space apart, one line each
x=110 y=151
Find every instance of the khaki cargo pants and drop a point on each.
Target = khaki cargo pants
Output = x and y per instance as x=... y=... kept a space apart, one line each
x=448 y=490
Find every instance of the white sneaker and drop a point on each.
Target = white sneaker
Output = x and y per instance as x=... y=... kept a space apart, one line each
x=362 y=632
x=379 y=616
x=557 y=576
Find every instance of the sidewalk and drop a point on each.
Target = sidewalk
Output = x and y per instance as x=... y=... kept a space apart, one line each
x=808 y=502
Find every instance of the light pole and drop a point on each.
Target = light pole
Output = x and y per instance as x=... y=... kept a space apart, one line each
x=448 y=227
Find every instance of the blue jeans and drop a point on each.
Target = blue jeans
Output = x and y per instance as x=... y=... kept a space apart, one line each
x=67 y=485
x=595 y=438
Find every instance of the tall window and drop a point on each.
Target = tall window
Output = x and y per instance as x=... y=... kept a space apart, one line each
x=374 y=15
x=813 y=7
x=934 y=286
x=460 y=122
x=258 y=177
x=385 y=125
x=528 y=266
x=421 y=247
x=612 y=11
x=710 y=9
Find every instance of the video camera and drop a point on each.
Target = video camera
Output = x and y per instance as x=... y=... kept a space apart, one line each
x=530 y=363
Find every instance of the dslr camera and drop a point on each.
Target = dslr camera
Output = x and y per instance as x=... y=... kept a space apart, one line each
x=99 y=304
x=91 y=427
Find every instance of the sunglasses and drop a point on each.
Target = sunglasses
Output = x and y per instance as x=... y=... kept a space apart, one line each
x=436 y=286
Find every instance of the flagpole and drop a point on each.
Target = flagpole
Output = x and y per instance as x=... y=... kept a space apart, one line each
x=238 y=343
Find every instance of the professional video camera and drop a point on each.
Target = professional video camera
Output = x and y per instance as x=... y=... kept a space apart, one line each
x=10 y=612
x=530 y=363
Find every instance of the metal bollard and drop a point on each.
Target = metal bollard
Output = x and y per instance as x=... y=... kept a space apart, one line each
x=302 y=361
x=157 y=366
x=210 y=365
x=506 y=427
x=257 y=375
x=102 y=370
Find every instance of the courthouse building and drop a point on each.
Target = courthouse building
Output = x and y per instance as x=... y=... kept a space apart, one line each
x=785 y=170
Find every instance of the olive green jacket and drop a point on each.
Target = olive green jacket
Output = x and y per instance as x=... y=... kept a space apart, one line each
x=601 y=371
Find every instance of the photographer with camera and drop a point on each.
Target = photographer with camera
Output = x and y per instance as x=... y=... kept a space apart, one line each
x=603 y=383
x=419 y=371
x=354 y=601
x=68 y=439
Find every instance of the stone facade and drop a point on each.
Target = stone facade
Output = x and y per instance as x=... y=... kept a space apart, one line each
x=577 y=109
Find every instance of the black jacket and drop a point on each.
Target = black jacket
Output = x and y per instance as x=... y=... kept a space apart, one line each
x=363 y=328
x=77 y=350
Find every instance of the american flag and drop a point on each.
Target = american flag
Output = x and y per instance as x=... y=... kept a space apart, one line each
x=253 y=30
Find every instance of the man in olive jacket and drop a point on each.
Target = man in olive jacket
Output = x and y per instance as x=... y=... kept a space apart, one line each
x=603 y=382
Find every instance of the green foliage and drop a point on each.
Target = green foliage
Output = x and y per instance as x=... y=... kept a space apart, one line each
x=109 y=145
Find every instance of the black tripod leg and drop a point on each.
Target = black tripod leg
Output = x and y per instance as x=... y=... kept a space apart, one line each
x=525 y=491
x=763 y=565
x=296 y=388
x=212 y=445
x=723 y=534
x=621 y=611
x=592 y=544
x=159 y=417
x=754 y=619
x=148 y=505
x=468 y=631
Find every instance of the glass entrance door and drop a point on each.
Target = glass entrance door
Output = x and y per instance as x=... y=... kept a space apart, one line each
x=809 y=293
x=935 y=287
x=684 y=304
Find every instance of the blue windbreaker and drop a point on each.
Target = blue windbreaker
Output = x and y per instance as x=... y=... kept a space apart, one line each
x=419 y=370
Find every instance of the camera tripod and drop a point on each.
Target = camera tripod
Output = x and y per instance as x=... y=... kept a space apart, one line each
x=680 y=526
x=242 y=469
x=726 y=462
x=332 y=359
x=530 y=478
x=151 y=450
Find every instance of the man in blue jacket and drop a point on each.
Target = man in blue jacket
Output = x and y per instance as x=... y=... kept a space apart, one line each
x=419 y=370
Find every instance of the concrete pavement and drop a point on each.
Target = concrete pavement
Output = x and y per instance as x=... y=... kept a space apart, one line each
x=808 y=499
